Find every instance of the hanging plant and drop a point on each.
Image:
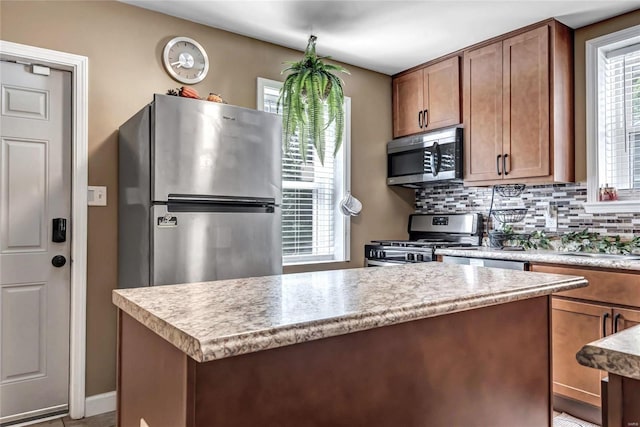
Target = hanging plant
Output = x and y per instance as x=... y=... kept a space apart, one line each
x=312 y=99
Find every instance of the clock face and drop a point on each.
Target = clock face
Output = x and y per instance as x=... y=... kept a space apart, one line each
x=185 y=60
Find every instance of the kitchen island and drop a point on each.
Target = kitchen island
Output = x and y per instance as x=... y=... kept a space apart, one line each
x=619 y=356
x=414 y=345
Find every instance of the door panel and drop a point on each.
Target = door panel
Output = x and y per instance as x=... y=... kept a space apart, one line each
x=482 y=112
x=408 y=102
x=526 y=104
x=23 y=218
x=27 y=103
x=207 y=148
x=35 y=185
x=23 y=325
x=625 y=318
x=442 y=93
x=575 y=324
x=204 y=246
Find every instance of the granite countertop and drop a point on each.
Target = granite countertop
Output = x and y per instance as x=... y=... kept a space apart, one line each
x=618 y=353
x=543 y=256
x=214 y=320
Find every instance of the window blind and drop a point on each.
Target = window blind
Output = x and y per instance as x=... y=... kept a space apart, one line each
x=309 y=197
x=619 y=147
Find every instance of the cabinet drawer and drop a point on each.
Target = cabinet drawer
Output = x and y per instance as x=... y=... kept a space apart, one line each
x=604 y=286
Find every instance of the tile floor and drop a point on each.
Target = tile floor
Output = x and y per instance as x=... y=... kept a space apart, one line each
x=102 y=420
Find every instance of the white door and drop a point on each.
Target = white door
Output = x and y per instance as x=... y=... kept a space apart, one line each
x=35 y=189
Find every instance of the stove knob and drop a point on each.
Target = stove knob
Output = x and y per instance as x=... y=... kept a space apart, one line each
x=419 y=257
x=409 y=257
x=372 y=253
x=381 y=254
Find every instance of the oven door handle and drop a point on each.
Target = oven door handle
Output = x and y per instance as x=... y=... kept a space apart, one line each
x=436 y=159
x=374 y=263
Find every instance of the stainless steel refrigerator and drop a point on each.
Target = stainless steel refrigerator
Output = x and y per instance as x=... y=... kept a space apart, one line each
x=199 y=193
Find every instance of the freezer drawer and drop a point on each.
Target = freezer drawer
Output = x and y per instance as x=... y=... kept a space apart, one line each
x=203 y=246
x=207 y=148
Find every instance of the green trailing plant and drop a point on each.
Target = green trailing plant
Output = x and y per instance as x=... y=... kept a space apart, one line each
x=578 y=241
x=312 y=99
x=535 y=240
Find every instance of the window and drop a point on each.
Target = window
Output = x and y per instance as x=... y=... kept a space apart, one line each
x=613 y=119
x=313 y=229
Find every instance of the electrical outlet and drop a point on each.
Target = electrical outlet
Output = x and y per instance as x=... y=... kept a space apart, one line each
x=551 y=217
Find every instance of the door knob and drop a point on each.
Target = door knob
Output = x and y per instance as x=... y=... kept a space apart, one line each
x=58 y=261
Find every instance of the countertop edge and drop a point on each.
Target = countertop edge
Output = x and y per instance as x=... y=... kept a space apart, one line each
x=180 y=339
x=542 y=257
x=611 y=360
x=234 y=345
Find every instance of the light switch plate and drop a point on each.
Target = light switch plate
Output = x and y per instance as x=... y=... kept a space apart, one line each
x=97 y=196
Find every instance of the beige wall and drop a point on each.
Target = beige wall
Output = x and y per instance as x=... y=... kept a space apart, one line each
x=581 y=35
x=123 y=44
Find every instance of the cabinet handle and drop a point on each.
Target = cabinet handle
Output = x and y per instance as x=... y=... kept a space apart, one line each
x=504 y=165
x=605 y=316
x=498 y=164
x=420 y=119
x=425 y=117
x=616 y=318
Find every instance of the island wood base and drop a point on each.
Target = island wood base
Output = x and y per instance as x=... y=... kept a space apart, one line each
x=483 y=367
x=620 y=401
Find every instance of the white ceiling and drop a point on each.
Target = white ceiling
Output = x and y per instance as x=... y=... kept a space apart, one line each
x=384 y=36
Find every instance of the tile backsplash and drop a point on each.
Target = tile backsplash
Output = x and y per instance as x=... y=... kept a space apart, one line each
x=454 y=197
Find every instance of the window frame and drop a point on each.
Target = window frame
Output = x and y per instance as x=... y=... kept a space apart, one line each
x=594 y=73
x=342 y=176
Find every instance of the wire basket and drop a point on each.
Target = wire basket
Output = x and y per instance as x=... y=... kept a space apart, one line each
x=509 y=190
x=508 y=216
x=497 y=239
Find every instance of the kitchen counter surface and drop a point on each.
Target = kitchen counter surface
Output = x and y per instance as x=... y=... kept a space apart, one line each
x=543 y=256
x=215 y=320
x=618 y=353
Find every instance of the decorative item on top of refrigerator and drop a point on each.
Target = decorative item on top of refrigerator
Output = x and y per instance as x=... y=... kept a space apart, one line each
x=200 y=193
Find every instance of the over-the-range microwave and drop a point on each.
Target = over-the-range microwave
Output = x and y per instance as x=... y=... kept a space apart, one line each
x=417 y=160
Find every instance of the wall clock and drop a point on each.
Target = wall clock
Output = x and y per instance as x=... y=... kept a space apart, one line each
x=185 y=60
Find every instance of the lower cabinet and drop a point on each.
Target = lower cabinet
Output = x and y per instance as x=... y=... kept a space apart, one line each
x=573 y=325
x=608 y=305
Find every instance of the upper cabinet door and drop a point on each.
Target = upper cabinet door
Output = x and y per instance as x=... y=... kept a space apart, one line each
x=526 y=104
x=483 y=113
x=442 y=94
x=407 y=104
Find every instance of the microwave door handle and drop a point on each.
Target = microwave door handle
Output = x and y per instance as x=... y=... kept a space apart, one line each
x=436 y=159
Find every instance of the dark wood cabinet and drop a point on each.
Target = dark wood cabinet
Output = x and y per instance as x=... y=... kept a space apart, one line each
x=427 y=98
x=608 y=305
x=573 y=325
x=525 y=105
x=625 y=318
x=483 y=112
x=518 y=107
x=407 y=104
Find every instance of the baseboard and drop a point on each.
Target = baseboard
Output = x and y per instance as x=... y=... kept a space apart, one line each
x=577 y=409
x=100 y=404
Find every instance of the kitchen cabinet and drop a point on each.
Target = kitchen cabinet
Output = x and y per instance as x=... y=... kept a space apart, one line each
x=518 y=107
x=608 y=305
x=573 y=325
x=427 y=98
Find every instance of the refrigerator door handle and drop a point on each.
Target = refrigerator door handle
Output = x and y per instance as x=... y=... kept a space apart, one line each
x=182 y=203
x=225 y=200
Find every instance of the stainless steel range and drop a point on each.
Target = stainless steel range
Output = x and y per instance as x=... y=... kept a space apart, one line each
x=427 y=232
